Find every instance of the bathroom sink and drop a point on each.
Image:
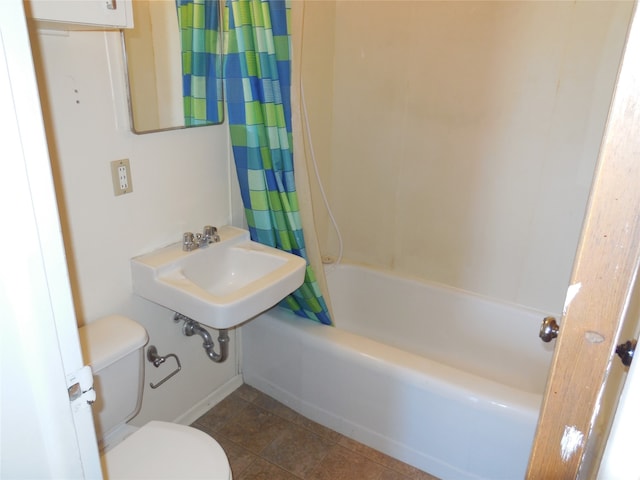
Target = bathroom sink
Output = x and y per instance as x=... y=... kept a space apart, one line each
x=222 y=285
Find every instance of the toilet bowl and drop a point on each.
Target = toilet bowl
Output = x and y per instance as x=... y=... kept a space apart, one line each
x=166 y=450
x=113 y=346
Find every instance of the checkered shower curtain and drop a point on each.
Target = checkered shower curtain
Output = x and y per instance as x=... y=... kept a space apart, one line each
x=198 y=21
x=257 y=76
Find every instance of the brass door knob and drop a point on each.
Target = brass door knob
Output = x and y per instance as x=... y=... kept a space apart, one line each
x=549 y=329
x=625 y=351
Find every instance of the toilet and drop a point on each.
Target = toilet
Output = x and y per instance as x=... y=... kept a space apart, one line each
x=114 y=347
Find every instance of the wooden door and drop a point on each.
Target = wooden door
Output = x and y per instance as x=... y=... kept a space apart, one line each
x=45 y=434
x=603 y=276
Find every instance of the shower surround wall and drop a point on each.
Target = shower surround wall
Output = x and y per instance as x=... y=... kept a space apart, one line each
x=181 y=181
x=462 y=137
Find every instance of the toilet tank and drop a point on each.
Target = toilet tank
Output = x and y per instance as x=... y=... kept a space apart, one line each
x=113 y=346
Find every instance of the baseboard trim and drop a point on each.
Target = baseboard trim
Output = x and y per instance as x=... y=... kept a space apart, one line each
x=209 y=401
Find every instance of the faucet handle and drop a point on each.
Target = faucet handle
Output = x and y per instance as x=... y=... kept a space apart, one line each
x=188 y=243
x=211 y=233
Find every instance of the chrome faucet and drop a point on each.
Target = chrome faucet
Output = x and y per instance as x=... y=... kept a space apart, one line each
x=200 y=240
x=210 y=234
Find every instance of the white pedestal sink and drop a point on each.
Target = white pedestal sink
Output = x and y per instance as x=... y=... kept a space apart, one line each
x=222 y=285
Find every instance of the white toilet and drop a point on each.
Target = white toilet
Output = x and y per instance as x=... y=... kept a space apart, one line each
x=114 y=347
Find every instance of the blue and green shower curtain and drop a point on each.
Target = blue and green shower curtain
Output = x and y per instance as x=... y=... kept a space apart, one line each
x=199 y=22
x=257 y=76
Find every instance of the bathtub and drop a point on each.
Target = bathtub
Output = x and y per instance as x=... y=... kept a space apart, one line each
x=447 y=381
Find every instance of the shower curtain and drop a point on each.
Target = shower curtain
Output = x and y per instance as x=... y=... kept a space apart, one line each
x=198 y=21
x=257 y=74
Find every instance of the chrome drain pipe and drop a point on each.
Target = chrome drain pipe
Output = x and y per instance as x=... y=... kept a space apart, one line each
x=191 y=327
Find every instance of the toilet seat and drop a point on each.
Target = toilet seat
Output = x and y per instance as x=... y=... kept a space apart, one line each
x=162 y=450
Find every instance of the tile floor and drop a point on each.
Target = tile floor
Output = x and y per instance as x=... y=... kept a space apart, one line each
x=266 y=440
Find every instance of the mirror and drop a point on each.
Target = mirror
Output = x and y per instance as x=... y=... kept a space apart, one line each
x=153 y=59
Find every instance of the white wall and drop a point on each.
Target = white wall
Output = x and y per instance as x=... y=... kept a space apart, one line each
x=181 y=181
x=464 y=135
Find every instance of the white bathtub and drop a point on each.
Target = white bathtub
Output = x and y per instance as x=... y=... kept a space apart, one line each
x=444 y=380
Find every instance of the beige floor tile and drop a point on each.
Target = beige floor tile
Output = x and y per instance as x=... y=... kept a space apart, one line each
x=275 y=407
x=297 y=450
x=239 y=458
x=265 y=439
x=318 y=429
x=363 y=450
x=247 y=392
x=253 y=428
x=343 y=464
x=223 y=412
x=396 y=465
x=263 y=470
x=389 y=474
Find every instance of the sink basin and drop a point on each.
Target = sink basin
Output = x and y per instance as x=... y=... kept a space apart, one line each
x=222 y=285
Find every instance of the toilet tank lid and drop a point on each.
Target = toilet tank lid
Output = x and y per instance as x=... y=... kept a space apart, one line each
x=108 y=339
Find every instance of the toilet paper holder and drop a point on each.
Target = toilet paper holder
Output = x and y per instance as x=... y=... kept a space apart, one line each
x=157 y=360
